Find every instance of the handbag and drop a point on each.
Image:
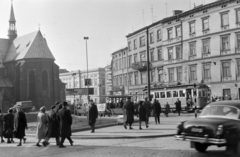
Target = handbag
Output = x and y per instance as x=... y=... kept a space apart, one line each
x=8 y=133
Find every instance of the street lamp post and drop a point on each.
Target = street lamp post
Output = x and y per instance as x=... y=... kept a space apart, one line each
x=86 y=38
x=148 y=68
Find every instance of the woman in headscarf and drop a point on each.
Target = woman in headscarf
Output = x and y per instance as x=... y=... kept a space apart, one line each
x=1 y=126
x=9 y=125
x=20 y=124
x=142 y=114
x=42 y=125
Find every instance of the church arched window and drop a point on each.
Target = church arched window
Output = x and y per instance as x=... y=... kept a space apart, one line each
x=32 y=86
x=45 y=83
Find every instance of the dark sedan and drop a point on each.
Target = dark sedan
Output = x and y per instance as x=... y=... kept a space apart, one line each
x=218 y=124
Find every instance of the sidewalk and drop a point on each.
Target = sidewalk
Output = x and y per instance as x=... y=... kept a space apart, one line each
x=167 y=127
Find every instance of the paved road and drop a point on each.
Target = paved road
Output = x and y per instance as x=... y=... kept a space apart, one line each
x=161 y=147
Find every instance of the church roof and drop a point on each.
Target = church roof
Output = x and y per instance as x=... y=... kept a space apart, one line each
x=12 y=16
x=4 y=45
x=32 y=45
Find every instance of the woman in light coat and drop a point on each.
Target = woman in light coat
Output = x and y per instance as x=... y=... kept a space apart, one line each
x=42 y=125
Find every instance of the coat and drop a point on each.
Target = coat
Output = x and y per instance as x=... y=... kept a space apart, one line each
x=1 y=125
x=148 y=107
x=157 y=108
x=42 y=125
x=167 y=108
x=20 y=124
x=142 y=113
x=92 y=114
x=8 y=123
x=53 y=124
x=128 y=112
x=178 y=105
x=65 y=118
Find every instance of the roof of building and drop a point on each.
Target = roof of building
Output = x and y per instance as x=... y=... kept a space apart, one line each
x=4 y=82
x=4 y=45
x=12 y=16
x=32 y=45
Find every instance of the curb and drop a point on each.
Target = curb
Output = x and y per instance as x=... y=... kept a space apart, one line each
x=124 y=137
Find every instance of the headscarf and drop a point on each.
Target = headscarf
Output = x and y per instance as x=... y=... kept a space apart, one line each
x=43 y=109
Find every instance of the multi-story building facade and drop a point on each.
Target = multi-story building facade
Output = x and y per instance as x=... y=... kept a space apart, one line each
x=108 y=80
x=201 y=45
x=75 y=79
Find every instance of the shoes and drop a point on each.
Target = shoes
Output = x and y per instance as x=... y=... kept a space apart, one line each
x=125 y=126
x=9 y=142
x=20 y=144
x=130 y=128
x=62 y=146
x=24 y=140
x=12 y=141
x=2 y=141
x=140 y=128
x=147 y=126
x=71 y=143
x=38 y=145
x=92 y=131
x=44 y=143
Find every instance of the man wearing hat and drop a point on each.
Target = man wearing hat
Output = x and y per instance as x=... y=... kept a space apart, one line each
x=65 y=124
x=129 y=113
x=53 y=126
x=92 y=115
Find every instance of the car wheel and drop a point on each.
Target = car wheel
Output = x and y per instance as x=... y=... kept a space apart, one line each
x=201 y=147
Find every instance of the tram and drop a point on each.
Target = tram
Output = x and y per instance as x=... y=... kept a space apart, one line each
x=190 y=95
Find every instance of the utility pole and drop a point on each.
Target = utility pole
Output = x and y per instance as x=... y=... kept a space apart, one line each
x=148 y=67
x=86 y=38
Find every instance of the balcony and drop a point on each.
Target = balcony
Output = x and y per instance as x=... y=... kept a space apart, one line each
x=192 y=35
x=140 y=66
x=206 y=55
x=226 y=78
x=225 y=27
x=206 y=31
x=193 y=57
x=207 y=80
x=173 y=61
x=225 y=52
x=172 y=40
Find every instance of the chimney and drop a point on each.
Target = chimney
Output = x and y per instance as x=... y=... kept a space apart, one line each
x=176 y=12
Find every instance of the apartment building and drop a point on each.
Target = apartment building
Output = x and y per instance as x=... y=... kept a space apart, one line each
x=108 y=80
x=201 y=45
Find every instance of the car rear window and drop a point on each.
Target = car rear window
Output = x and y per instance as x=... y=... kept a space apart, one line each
x=220 y=111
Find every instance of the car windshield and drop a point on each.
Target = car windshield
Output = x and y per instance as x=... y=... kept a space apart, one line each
x=220 y=111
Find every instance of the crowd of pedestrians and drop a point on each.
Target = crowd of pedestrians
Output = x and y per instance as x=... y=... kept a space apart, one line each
x=143 y=110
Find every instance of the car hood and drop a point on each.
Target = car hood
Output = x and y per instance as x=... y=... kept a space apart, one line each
x=203 y=126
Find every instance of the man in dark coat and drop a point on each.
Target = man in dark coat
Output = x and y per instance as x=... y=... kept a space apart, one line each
x=92 y=115
x=20 y=124
x=142 y=114
x=148 y=107
x=178 y=106
x=9 y=125
x=65 y=124
x=53 y=126
x=129 y=113
x=156 y=111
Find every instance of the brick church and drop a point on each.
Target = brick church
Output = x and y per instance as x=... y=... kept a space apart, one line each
x=27 y=70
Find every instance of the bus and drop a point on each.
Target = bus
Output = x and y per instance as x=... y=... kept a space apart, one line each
x=190 y=96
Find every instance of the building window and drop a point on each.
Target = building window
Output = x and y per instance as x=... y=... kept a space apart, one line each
x=117 y=81
x=143 y=78
x=135 y=58
x=159 y=51
x=179 y=74
x=178 y=52
x=120 y=80
x=130 y=79
x=152 y=75
x=192 y=47
x=120 y=63
x=136 y=78
x=192 y=27
x=160 y=75
x=225 y=43
x=170 y=34
x=158 y=34
x=129 y=61
x=193 y=73
x=151 y=38
x=226 y=69
x=129 y=46
x=178 y=31
x=152 y=56
x=142 y=56
x=135 y=43
x=142 y=41
x=238 y=41
x=125 y=80
x=170 y=53
x=206 y=71
x=32 y=86
x=205 y=23
x=44 y=84
x=206 y=46
x=224 y=19
x=171 y=75
x=238 y=16
x=238 y=67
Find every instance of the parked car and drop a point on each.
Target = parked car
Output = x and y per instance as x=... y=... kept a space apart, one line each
x=218 y=124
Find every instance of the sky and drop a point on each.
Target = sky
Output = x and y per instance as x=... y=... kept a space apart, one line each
x=65 y=23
